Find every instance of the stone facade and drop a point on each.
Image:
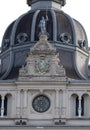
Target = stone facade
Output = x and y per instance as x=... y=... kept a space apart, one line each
x=44 y=98
x=62 y=96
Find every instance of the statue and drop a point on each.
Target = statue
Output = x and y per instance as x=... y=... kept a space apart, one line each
x=42 y=24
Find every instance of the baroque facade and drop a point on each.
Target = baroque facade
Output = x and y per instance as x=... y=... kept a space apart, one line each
x=44 y=71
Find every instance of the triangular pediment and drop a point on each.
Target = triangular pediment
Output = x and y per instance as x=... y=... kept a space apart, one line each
x=43 y=63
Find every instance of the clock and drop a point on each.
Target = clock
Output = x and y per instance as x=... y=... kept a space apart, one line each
x=41 y=103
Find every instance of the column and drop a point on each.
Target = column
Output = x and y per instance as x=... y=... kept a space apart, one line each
x=25 y=103
x=29 y=101
x=25 y=98
x=18 y=98
x=79 y=108
x=57 y=108
x=57 y=111
x=2 y=106
x=18 y=103
x=21 y=102
x=61 y=101
x=64 y=104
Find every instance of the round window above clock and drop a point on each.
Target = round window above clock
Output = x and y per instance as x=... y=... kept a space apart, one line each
x=41 y=103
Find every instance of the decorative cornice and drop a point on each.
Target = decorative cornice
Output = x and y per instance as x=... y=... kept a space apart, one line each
x=61 y=2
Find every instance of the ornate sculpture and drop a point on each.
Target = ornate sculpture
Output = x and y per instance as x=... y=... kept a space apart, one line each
x=82 y=44
x=42 y=66
x=42 y=24
x=65 y=38
x=42 y=63
x=22 y=37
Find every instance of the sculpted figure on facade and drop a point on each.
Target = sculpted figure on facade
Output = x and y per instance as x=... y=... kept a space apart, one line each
x=42 y=24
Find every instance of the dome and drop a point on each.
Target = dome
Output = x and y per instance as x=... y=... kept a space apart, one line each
x=60 y=27
x=64 y=32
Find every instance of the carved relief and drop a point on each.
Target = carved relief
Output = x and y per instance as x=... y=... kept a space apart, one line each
x=65 y=38
x=42 y=63
x=22 y=37
x=42 y=66
x=82 y=44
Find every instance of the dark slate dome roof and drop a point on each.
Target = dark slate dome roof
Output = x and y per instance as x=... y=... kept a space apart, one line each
x=63 y=31
x=25 y=29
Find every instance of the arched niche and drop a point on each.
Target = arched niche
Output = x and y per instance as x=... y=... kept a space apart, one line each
x=74 y=105
x=8 y=105
x=85 y=105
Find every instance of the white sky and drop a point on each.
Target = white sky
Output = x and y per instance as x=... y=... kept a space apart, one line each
x=12 y=9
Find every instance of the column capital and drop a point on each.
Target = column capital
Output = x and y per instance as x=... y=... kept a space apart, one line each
x=57 y=90
x=2 y=96
x=79 y=97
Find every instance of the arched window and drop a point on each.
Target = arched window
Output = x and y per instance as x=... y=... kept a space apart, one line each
x=5 y=105
x=81 y=105
x=77 y=105
x=74 y=103
x=8 y=105
x=85 y=104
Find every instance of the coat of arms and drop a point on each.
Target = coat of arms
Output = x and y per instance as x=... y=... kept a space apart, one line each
x=42 y=66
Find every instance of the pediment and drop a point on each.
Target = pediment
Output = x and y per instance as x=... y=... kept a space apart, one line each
x=42 y=63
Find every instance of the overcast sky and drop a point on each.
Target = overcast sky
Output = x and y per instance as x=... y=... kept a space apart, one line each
x=12 y=9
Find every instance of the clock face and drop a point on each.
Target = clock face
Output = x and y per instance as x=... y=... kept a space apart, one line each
x=41 y=103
